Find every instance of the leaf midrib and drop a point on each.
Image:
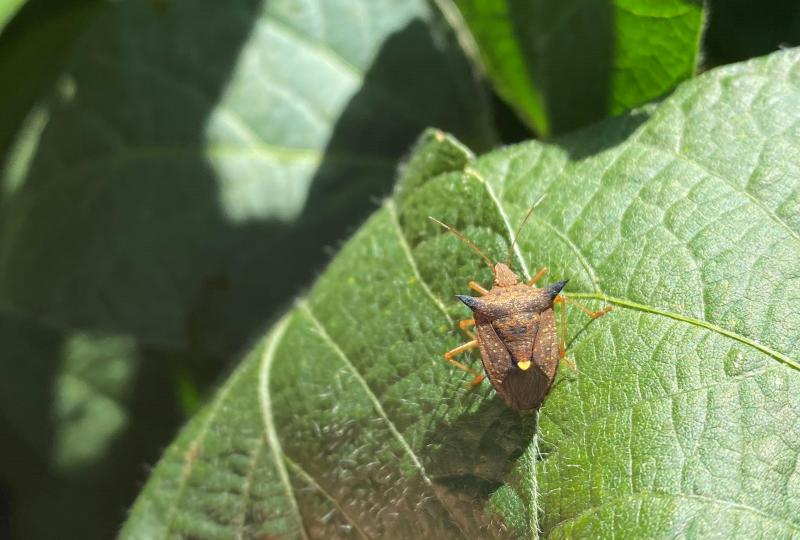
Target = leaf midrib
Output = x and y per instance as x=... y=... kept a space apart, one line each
x=265 y=405
x=624 y=302
x=325 y=336
x=200 y=152
x=302 y=473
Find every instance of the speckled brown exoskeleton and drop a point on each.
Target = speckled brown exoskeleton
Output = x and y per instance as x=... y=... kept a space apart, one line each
x=516 y=331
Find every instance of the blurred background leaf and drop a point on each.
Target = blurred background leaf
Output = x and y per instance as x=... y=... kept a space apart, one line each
x=33 y=49
x=179 y=136
x=80 y=415
x=564 y=65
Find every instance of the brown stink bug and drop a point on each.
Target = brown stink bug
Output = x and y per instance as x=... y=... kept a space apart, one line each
x=516 y=331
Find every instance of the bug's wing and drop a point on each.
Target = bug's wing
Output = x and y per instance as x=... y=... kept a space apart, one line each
x=546 y=354
x=527 y=389
x=494 y=354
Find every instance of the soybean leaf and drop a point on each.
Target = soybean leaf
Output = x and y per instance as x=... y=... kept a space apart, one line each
x=681 y=418
x=565 y=64
x=182 y=134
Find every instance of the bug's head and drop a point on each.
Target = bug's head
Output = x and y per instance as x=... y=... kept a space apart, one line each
x=504 y=276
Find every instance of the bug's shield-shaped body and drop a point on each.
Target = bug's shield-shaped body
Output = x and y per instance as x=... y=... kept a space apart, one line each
x=516 y=325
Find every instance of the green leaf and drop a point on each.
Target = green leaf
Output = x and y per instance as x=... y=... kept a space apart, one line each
x=681 y=418
x=7 y=10
x=186 y=145
x=563 y=65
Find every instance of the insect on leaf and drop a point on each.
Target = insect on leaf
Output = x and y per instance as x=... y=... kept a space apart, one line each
x=682 y=418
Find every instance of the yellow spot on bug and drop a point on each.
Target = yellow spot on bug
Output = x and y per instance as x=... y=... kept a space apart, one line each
x=524 y=365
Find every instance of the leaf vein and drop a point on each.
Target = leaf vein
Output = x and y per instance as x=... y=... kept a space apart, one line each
x=392 y=209
x=308 y=479
x=504 y=216
x=323 y=334
x=738 y=189
x=566 y=442
x=294 y=98
x=247 y=486
x=587 y=267
x=269 y=424
x=334 y=58
x=194 y=447
x=624 y=302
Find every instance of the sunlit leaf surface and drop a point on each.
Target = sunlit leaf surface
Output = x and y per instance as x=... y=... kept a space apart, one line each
x=681 y=419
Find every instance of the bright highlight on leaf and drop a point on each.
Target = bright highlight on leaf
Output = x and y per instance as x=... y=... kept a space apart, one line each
x=179 y=140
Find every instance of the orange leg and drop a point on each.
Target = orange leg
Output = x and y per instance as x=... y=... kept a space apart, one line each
x=466 y=323
x=562 y=334
x=561 y=299
x=448 y=356
x=537 y=276
x=477 y=288
x=570 y=363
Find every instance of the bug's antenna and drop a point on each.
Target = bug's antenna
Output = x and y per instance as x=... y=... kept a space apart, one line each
x=466 y=240
x=519 y=230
